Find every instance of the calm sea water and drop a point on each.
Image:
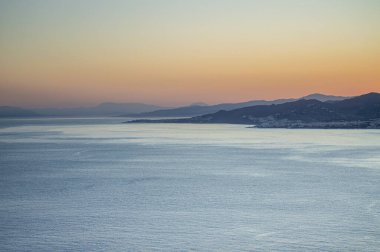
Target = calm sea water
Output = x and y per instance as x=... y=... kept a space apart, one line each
x=100 y=185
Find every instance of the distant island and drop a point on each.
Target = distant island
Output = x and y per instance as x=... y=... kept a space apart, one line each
x=358 y=112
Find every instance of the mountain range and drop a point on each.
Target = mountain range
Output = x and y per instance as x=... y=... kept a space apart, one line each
x=195 y=110
x=103 y=109
x=145 y=110
x=9 y=111
x=357 y=112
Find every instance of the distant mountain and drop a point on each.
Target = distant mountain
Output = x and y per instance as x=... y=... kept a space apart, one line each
x=323 y=98
x=194 y=110
x=146 y=110
x=358 y=112
x=197 y=109
x=8 y=111
x=104 y=109
x=198 y=104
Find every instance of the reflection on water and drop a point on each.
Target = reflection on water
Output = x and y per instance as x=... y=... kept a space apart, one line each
x=98 y=184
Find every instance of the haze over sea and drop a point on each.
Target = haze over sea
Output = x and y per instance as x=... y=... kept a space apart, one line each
x=95 y=184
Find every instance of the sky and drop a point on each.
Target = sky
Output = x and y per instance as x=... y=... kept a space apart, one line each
x=67 y=53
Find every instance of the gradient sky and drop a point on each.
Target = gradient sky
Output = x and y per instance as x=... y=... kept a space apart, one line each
x=71 y=53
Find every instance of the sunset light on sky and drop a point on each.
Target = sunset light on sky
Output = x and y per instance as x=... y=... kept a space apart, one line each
x=80 y=53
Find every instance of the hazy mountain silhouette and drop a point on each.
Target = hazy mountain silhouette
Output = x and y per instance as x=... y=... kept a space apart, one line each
x=323 y=98
x=198 y=104
x=8 y=111
x=104 y=109
x=358 y=112
x=195 y=110
x=142 y=110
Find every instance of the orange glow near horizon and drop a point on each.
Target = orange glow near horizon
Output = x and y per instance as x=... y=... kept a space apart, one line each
x=174 y=52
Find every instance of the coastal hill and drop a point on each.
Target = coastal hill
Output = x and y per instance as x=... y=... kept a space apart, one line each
x=201 y=109
x=358 y=112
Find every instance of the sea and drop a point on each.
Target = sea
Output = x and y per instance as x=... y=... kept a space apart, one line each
x=98 y=184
